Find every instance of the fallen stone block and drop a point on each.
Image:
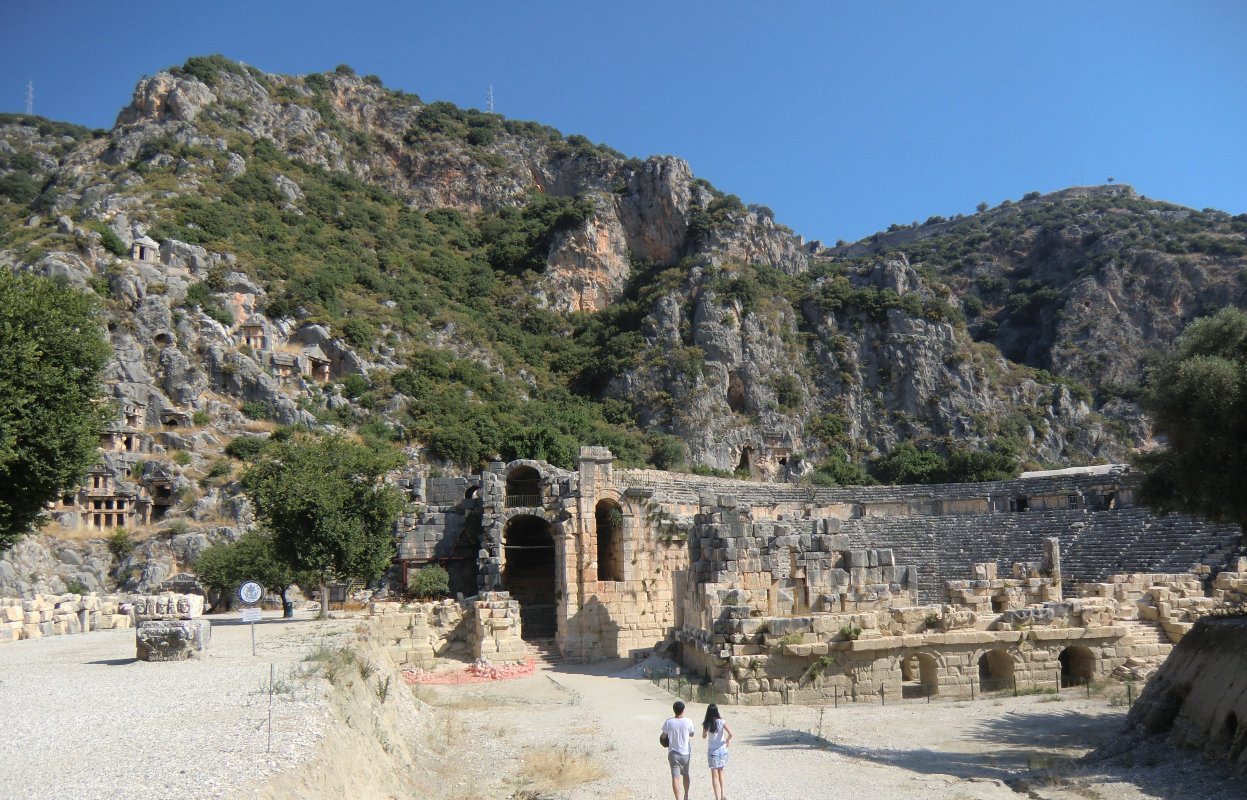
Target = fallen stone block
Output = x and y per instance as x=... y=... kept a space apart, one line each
x=172 y=640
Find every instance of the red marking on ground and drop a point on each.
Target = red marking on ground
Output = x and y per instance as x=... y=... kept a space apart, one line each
x=476 y=672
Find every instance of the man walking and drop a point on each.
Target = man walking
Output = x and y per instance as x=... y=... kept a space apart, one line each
x=679 y=732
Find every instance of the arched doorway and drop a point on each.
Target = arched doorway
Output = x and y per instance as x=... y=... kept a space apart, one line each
x=995 y=671
x=608 y=517
x=524 y=488
x=528 y=573
x=1077 y=666
x=920 y=676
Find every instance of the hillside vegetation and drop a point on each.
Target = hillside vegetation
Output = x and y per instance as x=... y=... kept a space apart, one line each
x=492 y=288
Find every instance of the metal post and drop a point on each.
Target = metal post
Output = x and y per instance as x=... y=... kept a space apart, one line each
x=882 y=700
x=272 y=670
x=1015 y=686
x=836 y=697
x=253 y=638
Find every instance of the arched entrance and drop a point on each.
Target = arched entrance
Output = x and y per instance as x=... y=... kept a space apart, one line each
x=524 y=488
x=608 y=517
x=1077 y=666
x=920 y=676
x=995 y=671
x=528 y=573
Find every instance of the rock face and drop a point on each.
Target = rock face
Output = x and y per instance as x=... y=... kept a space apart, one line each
x=1198 y=698
x=172 y=640
x=763 y=355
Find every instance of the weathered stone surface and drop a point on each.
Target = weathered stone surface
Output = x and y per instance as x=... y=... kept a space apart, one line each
x=172 y=640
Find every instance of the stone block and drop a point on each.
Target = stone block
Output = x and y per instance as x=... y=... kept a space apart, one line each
x=172 y=640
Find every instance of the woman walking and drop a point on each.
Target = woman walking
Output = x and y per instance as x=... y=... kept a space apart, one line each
x=716 y=730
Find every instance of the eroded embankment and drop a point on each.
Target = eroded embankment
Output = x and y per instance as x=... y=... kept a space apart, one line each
x=376 y=740
x=1198 y=699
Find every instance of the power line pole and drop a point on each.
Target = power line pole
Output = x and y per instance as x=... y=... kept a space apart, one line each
x=30 y=97
x=489 y=99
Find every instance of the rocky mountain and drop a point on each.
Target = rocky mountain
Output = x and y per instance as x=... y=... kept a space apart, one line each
x=319 y=250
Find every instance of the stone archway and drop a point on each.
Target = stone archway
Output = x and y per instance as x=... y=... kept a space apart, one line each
x=608 y=519
x=995 y=670
x=530 y=574
x=1077 y=666
x=920 y=675
x=523 y=489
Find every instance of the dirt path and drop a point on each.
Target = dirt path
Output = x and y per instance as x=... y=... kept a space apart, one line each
x=941 y=751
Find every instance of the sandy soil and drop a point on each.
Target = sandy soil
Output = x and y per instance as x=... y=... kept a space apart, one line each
x=84 y=720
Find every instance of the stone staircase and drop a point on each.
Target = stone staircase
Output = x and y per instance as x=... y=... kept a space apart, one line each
x=1151 y=646
x=544 y=653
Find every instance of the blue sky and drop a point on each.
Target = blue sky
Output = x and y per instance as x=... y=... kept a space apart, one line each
x=842 y=117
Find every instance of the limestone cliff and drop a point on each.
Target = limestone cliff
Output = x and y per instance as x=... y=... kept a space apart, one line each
x=319 y=250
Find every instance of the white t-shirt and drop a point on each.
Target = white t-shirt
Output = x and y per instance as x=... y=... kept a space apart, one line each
x=679 y=731
x=718 y=737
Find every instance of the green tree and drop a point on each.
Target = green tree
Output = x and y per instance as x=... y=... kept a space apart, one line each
x=226 y=565
x=52 y=350
x=1198 y=400
x=905 y=463
x=327 y=506
x=840 y=470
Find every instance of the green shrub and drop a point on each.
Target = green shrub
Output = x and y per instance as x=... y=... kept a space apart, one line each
x=201 y=418
x=120 y=544
x=429 y=582
x=353 y=386
x=245 y=448
x=254 y=409
x=76 y=586
x=182 y=458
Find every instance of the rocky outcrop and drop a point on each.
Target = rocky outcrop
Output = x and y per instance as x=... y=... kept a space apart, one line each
x=1198 y=698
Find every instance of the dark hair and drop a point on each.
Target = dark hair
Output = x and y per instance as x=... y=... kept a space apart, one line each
x=678 y=707
x=712 y=716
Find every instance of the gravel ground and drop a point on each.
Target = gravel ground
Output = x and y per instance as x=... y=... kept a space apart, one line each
x=940 y=751
x=83 y=719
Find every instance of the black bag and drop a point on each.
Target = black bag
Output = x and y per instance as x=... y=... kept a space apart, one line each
x=663 y=740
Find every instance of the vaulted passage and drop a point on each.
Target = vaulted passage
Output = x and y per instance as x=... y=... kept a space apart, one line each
x=1077 y=666
x=920 y=676
x=609 y=519
x=528 y=574
x=995 y=671
x=523 y=488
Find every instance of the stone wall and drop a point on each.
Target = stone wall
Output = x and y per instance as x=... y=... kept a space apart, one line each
x=678 y=541
x=54 y=615
x=417 y=634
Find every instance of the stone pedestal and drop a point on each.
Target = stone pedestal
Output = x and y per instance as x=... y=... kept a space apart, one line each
x=173 y=639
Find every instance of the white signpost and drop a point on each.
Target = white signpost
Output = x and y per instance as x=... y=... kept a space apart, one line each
x=250 y=593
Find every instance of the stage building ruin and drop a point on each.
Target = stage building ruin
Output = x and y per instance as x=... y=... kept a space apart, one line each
x=780 y=593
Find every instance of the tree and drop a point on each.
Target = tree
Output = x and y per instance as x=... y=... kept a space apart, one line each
x=326 y=504
x=1198 y=400
x=226 y=565
x=52 y=350
x=840 y=470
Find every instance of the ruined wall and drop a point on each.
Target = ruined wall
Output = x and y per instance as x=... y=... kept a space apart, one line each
x=629 y=567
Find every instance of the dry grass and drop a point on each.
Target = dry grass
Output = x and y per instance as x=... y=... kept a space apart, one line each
x=89 y=534
x=559 y=768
